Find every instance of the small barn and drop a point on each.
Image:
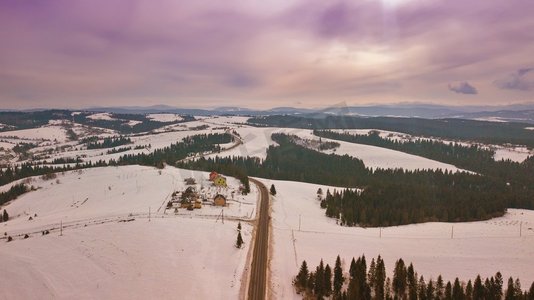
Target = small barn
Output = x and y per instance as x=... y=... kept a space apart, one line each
x=220 y=181
x=213 y=175
x=219 y=200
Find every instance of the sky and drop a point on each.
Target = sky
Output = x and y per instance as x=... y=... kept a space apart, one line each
x=263 y=54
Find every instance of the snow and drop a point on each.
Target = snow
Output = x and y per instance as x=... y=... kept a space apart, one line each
x=477 y=247
x=167 y=256
x=48 y=132
x=132 y=123
x=101 y=116
x=491 y=119
x=517 y=154
x=257 y=140
x=165 y=117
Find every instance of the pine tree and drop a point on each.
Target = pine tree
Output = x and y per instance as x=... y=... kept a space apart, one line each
x=371 y=274
x=311 y=282
x=319 y=281
x=5 y=216
x=327 y=280
x=430 y=290
x=448 y=291
x=478 y=289
x=510 y=290
x=273 y=190
x=498 y=285
x=412 y=283
x=399 y=279
x=457 y=290
x=302 y=277
x=338 y=277
x=239 y=226
x=380 y=277
x=422 y=290
x=439 y=288
x=352 y=269
x=239 y=241
x=469 y=291
x=531 y=292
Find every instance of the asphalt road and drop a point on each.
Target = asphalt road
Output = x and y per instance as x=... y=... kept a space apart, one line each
x=258 y=273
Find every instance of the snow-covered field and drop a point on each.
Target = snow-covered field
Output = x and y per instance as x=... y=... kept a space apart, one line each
x=476 y=247
x=48 y=132
x=101 y=116
x=165 y=117
x=257 y=140
x=98 y=256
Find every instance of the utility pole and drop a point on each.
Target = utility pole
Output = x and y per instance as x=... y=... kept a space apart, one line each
x=299 y=222
x=222 y=212
x=149 y=214
x=521 y=229
x=61 y=228
x=452 y=232
x=380 y=235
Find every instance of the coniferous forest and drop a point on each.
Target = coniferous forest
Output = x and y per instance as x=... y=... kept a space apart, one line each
x=388 y=197
x=372 y=283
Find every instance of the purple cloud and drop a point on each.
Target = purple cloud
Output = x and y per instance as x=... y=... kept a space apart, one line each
x=521 y=79
x=463 y=88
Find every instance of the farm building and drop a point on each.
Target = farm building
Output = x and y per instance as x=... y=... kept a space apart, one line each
x=219 y=200
x=220 y=181
x=213 y=175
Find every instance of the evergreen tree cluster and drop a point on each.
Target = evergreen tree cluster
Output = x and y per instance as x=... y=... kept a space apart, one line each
x=178 y=151
x=387 y=197
x=467 y=157
x=372 y=283
x=108 y=142
x=13 y=193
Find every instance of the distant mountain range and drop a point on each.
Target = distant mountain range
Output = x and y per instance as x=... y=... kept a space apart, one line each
x=505 y=113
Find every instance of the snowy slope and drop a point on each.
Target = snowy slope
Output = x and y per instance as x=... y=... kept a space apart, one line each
x=99 y=257
x=477 y=247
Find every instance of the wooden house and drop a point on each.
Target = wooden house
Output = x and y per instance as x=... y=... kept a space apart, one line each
x=219 y=200
x=220 y=181
x=213 y=175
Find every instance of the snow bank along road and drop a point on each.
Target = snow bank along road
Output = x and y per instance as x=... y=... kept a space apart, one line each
x=258 y=272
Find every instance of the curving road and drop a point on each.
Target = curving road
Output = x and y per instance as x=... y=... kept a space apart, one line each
x=258 y=272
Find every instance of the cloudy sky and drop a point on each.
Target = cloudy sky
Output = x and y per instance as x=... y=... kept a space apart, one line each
x=262 y=54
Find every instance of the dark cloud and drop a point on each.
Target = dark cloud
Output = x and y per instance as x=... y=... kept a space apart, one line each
x=463 y=88
x=521 y=79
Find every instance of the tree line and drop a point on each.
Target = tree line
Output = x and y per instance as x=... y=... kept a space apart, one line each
x=108 y=142
x=455 y=129
x=363 y=283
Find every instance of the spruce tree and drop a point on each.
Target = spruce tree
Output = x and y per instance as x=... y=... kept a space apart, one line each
x=531 y=292
x=380 y=277
x=430 y=290
x=239 y=226
x=422 y=290
x=371 y=274
x=311 y=282
x=457 y=290
x=478 y=289
x=302 y=277
x=412 y=283
x=273 y=190
x=399 y=279
x=439 y=288
x=510 y=290
x=327 y=280
x=352 y=269
x=498 y=285
x=338 y=277
x=448 y=291
x=5 y=216
x=469 y=291
x=319 y=281
x=239 y=241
